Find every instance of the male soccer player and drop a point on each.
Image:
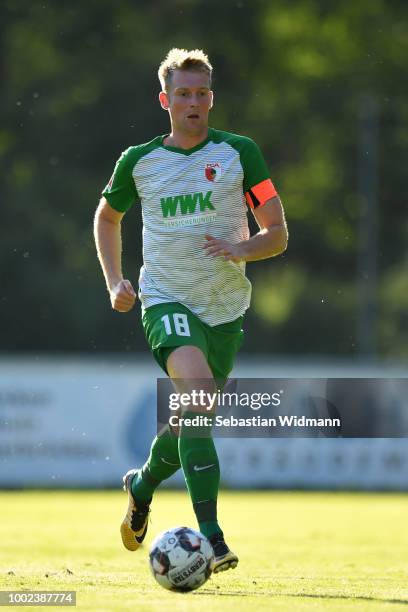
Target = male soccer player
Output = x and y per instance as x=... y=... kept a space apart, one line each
x=193 y=185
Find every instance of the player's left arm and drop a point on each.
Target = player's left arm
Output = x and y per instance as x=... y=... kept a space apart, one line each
x=262 y=198
x=271 y=239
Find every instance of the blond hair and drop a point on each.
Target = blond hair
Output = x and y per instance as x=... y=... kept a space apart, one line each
x=181 y=59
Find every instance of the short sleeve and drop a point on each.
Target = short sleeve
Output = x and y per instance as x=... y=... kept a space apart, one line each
x=121 y=190
x=258 y=187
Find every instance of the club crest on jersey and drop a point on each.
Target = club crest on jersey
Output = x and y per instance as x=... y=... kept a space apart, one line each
x=213 y=172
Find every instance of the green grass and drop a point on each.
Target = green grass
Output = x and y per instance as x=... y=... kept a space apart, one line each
x=298 y=551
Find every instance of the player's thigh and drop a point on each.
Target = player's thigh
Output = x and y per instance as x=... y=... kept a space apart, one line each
x=188 y=362
x=188 y=368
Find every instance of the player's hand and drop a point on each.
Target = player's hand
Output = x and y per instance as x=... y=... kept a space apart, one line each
x=122 y=296
x=217 y=247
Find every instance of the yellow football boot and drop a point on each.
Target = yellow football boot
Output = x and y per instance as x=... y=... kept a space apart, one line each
x=224 y=558
x=134 y=525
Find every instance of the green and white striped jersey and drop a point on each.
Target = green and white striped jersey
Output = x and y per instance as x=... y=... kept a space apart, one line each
x=184 y=195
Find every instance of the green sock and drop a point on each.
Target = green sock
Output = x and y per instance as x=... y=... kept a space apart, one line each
x=162 y=463
x=199 y=460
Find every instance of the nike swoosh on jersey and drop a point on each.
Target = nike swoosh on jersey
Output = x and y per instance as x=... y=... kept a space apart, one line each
x=198 y=468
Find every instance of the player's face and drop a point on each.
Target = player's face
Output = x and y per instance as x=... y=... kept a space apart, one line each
x=188 y=101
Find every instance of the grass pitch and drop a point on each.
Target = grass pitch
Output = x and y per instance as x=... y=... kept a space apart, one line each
x=298 y=551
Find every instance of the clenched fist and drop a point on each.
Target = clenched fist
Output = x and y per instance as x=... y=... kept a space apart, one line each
x=122 y=296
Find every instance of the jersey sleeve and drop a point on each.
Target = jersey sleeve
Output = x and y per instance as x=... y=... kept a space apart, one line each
x=258 y=187
x=121 y=190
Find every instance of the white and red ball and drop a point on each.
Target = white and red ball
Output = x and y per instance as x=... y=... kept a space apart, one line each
x=181 y=559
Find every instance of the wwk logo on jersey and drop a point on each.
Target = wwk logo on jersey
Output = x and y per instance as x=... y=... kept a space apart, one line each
x=213 y=172
x=188 y=209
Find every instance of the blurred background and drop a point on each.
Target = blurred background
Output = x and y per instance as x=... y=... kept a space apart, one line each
x=323 y=89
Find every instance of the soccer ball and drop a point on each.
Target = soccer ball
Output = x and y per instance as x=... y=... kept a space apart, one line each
x=181 y=559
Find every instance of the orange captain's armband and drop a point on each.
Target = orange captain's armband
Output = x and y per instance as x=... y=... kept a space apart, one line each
x=260 y=193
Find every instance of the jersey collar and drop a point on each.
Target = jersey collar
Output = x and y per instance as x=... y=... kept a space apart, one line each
x=186 y=151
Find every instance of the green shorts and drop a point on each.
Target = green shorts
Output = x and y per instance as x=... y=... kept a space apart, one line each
x=170 y=325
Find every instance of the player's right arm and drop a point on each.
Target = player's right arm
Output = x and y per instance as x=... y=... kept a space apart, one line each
x=108 y=240
x=117 y=197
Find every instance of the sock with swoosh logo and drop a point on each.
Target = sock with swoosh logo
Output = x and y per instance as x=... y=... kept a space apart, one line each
x=199 y=460
x=162 y=463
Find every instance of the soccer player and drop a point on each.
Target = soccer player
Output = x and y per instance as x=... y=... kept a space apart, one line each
x=193 y=185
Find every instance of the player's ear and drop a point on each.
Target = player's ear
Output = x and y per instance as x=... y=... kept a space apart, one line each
x=164 y=100
x=211 y=99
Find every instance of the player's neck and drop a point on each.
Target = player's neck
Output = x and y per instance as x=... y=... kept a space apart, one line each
x=185 y=141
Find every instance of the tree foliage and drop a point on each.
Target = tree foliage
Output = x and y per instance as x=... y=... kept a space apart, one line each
x=80 y=85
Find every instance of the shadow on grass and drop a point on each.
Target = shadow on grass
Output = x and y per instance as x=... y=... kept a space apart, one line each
x=310 y=595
